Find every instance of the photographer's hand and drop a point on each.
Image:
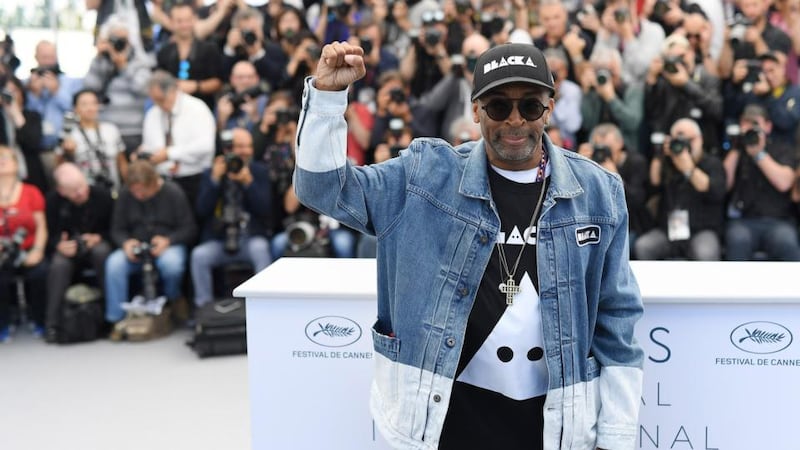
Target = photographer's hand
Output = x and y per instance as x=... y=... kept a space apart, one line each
x=224 y=110
x=679 y=78
x=655 y=69
x=159 y=244
x=35 y=256
x=127 y=248
x=382 y=153
x=50 y=82
x=66 y=246
x=739 y=71
x=243 y=177
x=91 y=239
x=761 y=87
x=159 y=156
x=606 y=90
x=218 y=169
x=341 y=64
x=69 y=146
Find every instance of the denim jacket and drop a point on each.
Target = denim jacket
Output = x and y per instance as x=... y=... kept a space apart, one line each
x=436 y=223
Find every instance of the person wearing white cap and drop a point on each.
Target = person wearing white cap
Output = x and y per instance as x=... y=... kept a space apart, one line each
x=506 y=303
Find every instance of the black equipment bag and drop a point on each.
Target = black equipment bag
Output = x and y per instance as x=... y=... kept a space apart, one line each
x=81 y=315
x=220 y=328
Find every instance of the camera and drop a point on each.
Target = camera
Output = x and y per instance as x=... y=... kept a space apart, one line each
x=249 y=37
x=285 y=115
x=6 y=97
x=671 y=64
x=142 y=251
x=463 y=6
x=432 y=37
x=314 y=51
x=237 y=99
x=68 y=125
x=233 y=218
x=751 y=137
x=600 y=153
x=396 y=127
x=307 y=235
x=678 y=144
x=457 y=63
x=43 y=70
x=621 y=15
x=397 y=95
x=366 y=44
x=491 y=25
x=738 y=29
x=11 y=254
x=233 y=163
x=338 y=7
x=733 y=132
x=603 y=75
x=394 y=151
x=660 y=8
x=82 y=248
x=7 y=56
x=118 y=43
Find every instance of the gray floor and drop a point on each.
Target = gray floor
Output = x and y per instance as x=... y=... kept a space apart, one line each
x=107 y=395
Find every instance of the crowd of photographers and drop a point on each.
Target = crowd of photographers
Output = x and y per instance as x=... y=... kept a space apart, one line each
x=176 y=150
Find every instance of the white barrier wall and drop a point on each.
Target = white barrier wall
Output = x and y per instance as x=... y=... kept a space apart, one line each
x=720 y=370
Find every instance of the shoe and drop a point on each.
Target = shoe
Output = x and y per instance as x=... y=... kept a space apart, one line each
x=38 y=331
x=51 y=335
x=5 y=335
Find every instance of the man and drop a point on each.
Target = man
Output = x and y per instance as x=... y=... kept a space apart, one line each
x=608 y=98
x=95 y=147
x=119 y=75
x=691 y=184
x=698 y=31
x=196 y=63
x=567 y=113
x=676 y=87
x=245 y=42
x=576 y=43
x=79 y=222
x=50 y=94
x=178 y=134
x=606 y=147
x=234 y=204
x=760 y=175
x=243 y=105
x=154 y=211
x=467 y=323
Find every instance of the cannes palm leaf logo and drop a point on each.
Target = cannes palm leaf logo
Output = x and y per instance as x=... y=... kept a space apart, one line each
x=332 y=331
x=762 y=337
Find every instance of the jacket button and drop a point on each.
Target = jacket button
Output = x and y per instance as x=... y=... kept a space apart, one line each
x=450 y=342
x=484 y=239
x=463 y=291
x=437 y=398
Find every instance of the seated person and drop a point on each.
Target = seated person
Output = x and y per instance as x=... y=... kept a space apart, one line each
x=154 y=211
x=234 y=202
x=79 y=221
x=23 y=236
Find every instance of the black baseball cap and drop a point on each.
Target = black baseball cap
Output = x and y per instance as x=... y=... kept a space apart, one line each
x=511 y=63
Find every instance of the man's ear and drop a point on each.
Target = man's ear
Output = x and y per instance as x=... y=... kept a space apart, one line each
x=475 y=112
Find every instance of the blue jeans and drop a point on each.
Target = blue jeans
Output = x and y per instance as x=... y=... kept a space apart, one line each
x=776 y=237
x=209 y=254
x=170 y=266
x=343 y=243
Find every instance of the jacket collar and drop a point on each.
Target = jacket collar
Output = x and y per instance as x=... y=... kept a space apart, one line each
x=475 y=180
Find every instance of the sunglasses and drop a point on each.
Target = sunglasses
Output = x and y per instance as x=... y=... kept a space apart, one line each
x=498 y=109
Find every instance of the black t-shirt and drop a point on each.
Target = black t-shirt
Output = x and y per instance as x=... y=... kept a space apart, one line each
x=501 y=380
x=204 y=62
x=775 y=39
x=753 y=195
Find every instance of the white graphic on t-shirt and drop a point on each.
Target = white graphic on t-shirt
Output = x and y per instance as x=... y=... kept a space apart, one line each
x=515 y=237
x=511 y=360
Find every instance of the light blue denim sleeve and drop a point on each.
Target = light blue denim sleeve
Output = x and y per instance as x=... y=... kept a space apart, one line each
x=321 y=131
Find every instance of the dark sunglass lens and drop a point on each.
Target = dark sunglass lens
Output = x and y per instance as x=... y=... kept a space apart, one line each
x=531 y=109
x=499 y=109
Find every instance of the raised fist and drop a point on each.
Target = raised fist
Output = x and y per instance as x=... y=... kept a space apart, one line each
x=340 y=65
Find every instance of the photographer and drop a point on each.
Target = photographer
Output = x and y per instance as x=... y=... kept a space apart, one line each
x=450 y=98
x=569 y=96
x=243 y=105
x=676 y=88
x=776 y=94
x=607 y=98
x=690 y=184
x=154 y=212
x=335 y=19
x=246 y=42
x=558 y=34
x=50 y=94
x=392 y=101
x=21 y=130
x=23 y=236
x=607 y=148
x=303 y=50
x=377 y=59
x=640 y=39
x=95 y=147
x=397 y=137
x=118 y=74
x=194 y=62
x=79 y=222
x=751 y=35
x=760 y=175
x=234 y=204
x=426 y=62
x=697 y=29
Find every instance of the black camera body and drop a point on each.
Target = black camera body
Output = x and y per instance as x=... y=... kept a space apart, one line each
x=457 y=64
x=233 y=217
x=143 y=252
x=678 y=144
x=249 y=37
x=671 y=64
x=603 y=76
x=286 y=115
x=660 y=8
x=314 y=51
x=237 y=99
x=751 y=137
x=621 y=15
x=233 y=163
x=739 y=28
x=601 y=153
x=432 y=36
x=118 y=43
x=11 y=254
x=339 y=8
x=6 y=97
x=491 y=25
x=366 y=44
x=397 y=95
x=82 y=248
